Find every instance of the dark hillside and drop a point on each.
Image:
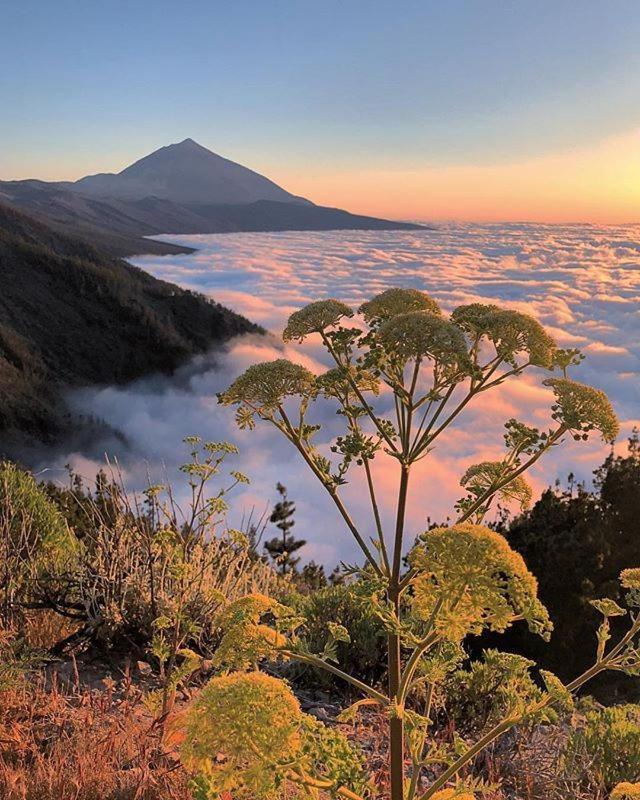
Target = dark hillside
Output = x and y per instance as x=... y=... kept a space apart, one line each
x=115 y=227
x=270 y=215
x=70 y=315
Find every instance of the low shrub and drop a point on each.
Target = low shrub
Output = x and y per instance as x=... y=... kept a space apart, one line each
x=363 y=656
x=610 y=741
x=123 y=570
x=486 y=691
x=37 y=548
x=17 y=659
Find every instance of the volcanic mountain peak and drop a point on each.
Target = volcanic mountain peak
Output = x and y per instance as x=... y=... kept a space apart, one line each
x=181 y=188
x=186 y=172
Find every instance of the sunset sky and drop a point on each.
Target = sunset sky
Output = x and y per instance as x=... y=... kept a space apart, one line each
x=476 y=110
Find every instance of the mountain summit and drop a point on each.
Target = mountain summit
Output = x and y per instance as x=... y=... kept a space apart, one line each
x=182 y=189
x=186 y=173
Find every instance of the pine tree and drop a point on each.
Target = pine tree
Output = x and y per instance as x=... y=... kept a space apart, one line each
x=312 y=577
x=281 y=548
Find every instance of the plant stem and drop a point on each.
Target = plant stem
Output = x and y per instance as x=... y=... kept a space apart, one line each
x=376 y=515
x=399 y=532
x=358 y=394
x=413 y=662
x=290 y=433
x=315 y=661
x=396 y=725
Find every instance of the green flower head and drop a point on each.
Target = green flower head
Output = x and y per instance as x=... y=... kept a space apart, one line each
x=394 y=302
x=479 y=580
x=315 y=318
x=264 y=386
x=511 y=332
x=241 y=731
x=626 y=791
x=582 y=409
x=480 y=477
x=608 y=607
x=245 y=732
x=335 y=382
x=246 y=640
x=422 y=334
x=630 y=578
x=475 y=318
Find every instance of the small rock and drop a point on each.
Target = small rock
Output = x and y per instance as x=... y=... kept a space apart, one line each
x=319 y=712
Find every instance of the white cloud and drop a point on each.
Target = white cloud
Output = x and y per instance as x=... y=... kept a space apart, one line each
x=583 y=282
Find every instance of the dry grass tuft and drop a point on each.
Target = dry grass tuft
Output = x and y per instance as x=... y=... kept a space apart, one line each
x=87 y=746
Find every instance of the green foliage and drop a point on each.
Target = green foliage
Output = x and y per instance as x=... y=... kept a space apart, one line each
x=281 y=548
x=311 y=578
x=498 y=686
x=577 y=542
x=461 y=580
x=246 y=734
x=363 y=655
x=328 y=754
x=610 y=740
x=16 y=660
x=36 y=545
x=138 y=571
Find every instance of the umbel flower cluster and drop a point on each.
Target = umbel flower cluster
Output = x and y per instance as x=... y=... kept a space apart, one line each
x=456 y=569
x=401 y=374
x=246 y=735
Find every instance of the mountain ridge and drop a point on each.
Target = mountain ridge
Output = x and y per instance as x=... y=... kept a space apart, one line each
x=181 y=188
x=72 y=316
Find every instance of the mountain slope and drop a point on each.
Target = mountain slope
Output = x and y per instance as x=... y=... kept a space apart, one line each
x=116 y=228
x=186 y=173
x=266 y=215
x=70 y=315
x=183 y=188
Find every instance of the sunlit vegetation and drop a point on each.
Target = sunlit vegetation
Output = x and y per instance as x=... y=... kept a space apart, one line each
x=459 y=580
x=208 y=643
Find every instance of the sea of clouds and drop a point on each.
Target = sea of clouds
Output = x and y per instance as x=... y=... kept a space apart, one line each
x=581 y=281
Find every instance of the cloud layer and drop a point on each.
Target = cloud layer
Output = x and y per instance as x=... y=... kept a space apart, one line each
x=581 y=281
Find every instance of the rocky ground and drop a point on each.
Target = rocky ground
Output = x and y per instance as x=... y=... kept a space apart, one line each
x=81 y=730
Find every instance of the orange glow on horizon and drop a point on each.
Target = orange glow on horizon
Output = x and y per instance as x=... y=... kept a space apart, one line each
x=599 y=184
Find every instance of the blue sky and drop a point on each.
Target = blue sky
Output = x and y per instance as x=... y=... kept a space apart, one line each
x=89 y=86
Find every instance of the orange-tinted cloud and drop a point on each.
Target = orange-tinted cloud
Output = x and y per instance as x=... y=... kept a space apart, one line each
x=582 y=282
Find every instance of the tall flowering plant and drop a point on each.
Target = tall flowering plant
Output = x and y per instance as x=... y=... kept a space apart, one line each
x=428 y=368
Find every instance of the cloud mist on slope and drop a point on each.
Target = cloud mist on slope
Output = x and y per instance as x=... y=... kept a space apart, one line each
x=582 y=282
